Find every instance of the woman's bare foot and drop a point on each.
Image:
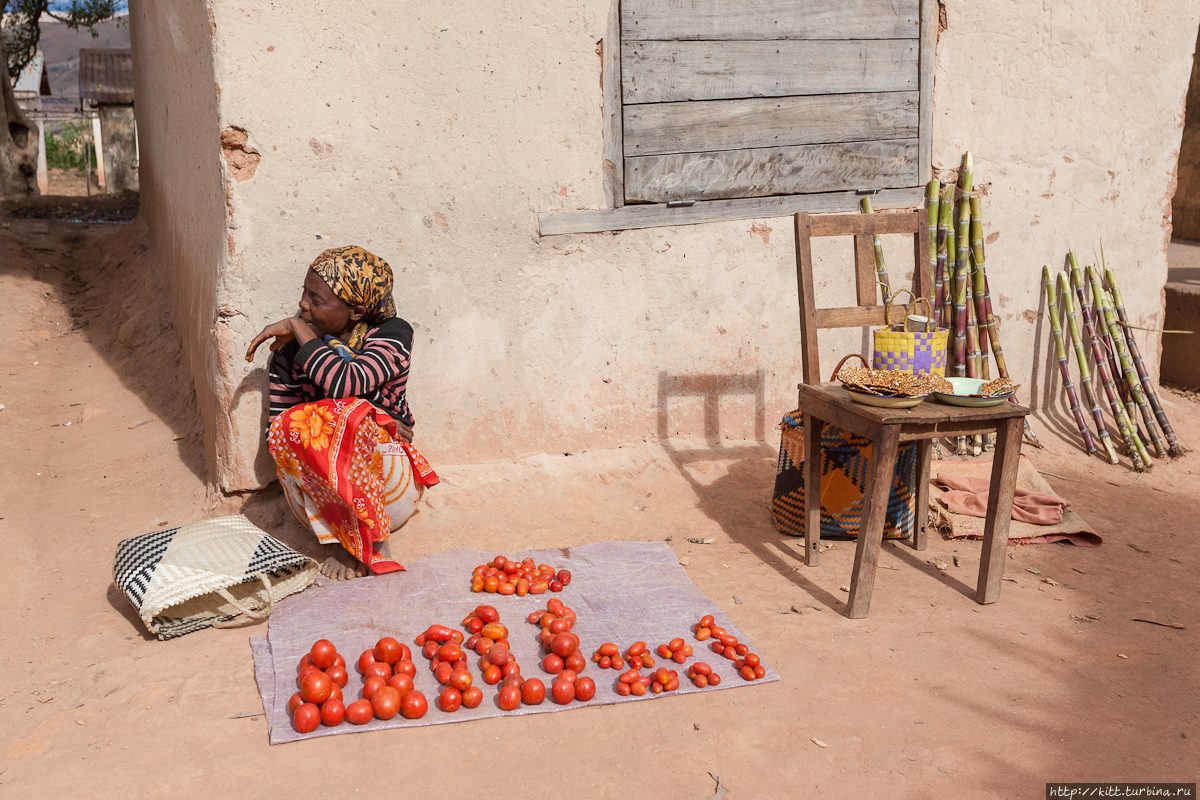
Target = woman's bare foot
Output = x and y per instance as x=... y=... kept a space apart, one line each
x=342 y=566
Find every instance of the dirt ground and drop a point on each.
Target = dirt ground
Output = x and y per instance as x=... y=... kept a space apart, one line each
x=931 y=696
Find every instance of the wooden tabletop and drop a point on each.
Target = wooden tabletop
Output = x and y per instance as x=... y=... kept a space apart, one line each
x=929 y=413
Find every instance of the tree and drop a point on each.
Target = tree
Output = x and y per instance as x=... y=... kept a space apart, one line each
x=19 y=39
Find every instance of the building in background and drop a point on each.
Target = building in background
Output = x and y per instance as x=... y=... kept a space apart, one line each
x=106 y=87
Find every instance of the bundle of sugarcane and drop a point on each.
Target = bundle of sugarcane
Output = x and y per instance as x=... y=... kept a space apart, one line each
x=942 y=296
x=881 y=274
x=1061 y=352
x=1085 y=377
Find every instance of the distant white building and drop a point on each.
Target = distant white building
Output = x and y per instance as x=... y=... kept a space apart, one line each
x=33 y=84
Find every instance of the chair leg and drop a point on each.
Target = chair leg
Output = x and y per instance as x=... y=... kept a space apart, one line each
x=921 y=523
x=999 y=509
x=812 y=489
x=870 y=535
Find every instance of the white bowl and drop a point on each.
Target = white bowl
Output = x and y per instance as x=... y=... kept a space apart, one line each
x=964 y=388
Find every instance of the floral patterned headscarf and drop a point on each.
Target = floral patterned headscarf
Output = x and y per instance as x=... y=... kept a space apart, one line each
x=358 y=278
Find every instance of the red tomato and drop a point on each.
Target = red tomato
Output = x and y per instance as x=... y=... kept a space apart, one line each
x=450 y=651
x=371 y=685
x=559 y=625
x=538 y=587
x=360 y=712
x=307 y=718
x=522 y=587
x=295 y=702
x=556 y=586
x=474 y=625
x=703 y=634
x=567 y=675
x=487 y=614
x=700 y=668
x=679 y=657
x=304 y=662
x=442 y=673
x=337 y=675
x=450 y=699
x=748 y=673
x=564 y=577
x=340 y=660
x=605 y=662
x=457 y=636
x=405 y=653
x=508 y=698
x=430 y=650
x=714 y=679
x=510 y=667
x=305 y=671
x=506 y=589
x=647 y=660
x=439 y=633
x=472 y=641
x=491 y=675
x=461 y=680
x=585 y=689
x=664 y=651
x=717 y=648
x=622 y=689
x=563 y=692
x=378 y=669
x=500 y=561
x=760 y=671
x=491 y=585
x=386 y=702
x=420 y=640
x=498 y=655
x=323 y=653
x=495 y=631
x=609 y=649
x=752 y=659
x=730 y=653
x=616 y=662
x=575 y=662
x=387 y=650
x=406 y=667
x=333 y=712
x=413 y=705
x=656 y=687
x=635 y=649
x=483 y=646
x=629 y=677
x=316 y=688
x=514 y=680
x=637 y=689
x=675 y=644
x=534 y=616
x=552 y=664
x=533 y=692
x=742 y=649
x=336 y=694
x=401 y=683
x=707 y=621
x=563 y=644
x=687 y=651
x=672 y=683
x=472 y=697
x=700 y=680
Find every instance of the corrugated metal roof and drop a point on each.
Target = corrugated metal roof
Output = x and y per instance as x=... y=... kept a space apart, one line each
x=33 y=79
x=106 y=76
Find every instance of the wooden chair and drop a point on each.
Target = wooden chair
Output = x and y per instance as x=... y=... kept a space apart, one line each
x=823 y=403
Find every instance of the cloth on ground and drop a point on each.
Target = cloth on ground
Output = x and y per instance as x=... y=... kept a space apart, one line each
x=970 y=496
x=1073 y=528
x=622 y=591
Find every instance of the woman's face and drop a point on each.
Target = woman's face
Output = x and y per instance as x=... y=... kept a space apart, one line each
x=326 y=313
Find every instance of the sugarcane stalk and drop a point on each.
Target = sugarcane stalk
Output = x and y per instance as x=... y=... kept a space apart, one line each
x=932 y=196
x=1105 y=350
x=1133 y=444
x=942 y=296
x=1085 y=376
x=979 y=286
x=973 y=359
x=881 y=274
x=960 y=292
x=1060 y=351
x=1131 y=377
x=1175 y=449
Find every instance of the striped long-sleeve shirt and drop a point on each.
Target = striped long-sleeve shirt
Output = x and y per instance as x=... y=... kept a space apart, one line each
x=316 y=372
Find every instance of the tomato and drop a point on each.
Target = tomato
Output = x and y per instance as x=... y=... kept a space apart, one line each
x=741 y=649
x=457 y=636
x=474 y=625
x=371 y=685
x=295 y=702
x=491 y=585
x=470 y=643
x=703 y=634
x=575 y=662
x=498 y=655
x=483 y=646
x=637 y=689
x=647 y=660
x=360 y=712
x=563 y=645
x=664 y=651
x=534 y=616
x=718 y=631
x=472 y=697
x=538 y=587
x=305 y=671
x=450 y=651
x=338 y=675
x=500 y=561
x=522 y=587
x=687 y=651
x=605 y=662
x=405 y=653
x=533 y=692
x=679 y=657
x=430 y=650
x=567 y=675
x=406 y=667
x=491 y=675
x=307 y=718
x=476 y=586
x=511 y=567
x=730 y=653
x=401 y=683
x=656 y=687
x=635 y=649
x=336 y=694
x=450 y=700
x=461 y=679
x=552 y=664
x=511 y=667
x=672 y=683
x=495 y=631
x=760 y=671
x=442 y=673
x=413 y=705
x=714 y=679
x=333 y=712
x=563 y=692
x=751 y=658
x=609 y=649
x=738 y=664
x=707 y=621
x=304 y=662
x=748 y=673
x=622 y=689
x=700 y=668
x=556 y=586
x=387 y=650
x=323 y=653
x=487 y=614
x=585 y=689
x=727 y=640
x=616 y=662
x=629 y=677
x=700 y=680
x=316 y=688
x=514 y=680
x=717 y=648
x=506 y=589
x=564 y=577
x=378 y=668
x=386 y=702
x=367 y=658
x=420 y=640
x=508 y=698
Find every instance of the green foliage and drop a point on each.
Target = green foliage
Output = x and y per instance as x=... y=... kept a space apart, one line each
x=65 y=151
x=22 y=29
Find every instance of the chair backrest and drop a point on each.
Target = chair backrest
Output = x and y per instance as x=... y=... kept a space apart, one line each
x=863 y=227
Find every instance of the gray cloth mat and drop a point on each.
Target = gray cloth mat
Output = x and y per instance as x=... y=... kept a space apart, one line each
x=622 y=592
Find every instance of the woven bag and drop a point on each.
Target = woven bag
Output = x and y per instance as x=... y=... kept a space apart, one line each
x=918 y=352
x=219 y=572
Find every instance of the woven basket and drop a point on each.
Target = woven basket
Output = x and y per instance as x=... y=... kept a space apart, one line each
x=918 y=352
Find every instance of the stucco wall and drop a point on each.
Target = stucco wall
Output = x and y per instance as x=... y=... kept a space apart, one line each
x=433 y=135
x=1186 y=205
x=182 y=189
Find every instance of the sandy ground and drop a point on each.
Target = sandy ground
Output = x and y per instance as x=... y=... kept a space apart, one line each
x=931 y=696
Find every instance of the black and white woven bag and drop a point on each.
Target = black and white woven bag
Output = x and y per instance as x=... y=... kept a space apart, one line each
x=208 y=573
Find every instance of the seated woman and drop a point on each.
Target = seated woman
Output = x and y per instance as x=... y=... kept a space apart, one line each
x=341 y=430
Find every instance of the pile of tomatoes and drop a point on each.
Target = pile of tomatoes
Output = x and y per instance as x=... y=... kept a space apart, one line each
x=321 y=676
x=388 y=672
x=505 y=576
x=702 y=675
x=676 y=650
x=748 y=664
x=444 y=649
x=608 y=656
x=561 y=646
x=637 y=655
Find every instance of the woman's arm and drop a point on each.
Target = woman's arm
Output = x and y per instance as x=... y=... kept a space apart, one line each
x=385 y=358
x=292 y=329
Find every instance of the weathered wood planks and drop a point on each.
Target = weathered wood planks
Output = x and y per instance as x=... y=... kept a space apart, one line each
x=613 y=163
x=761 y=172
x=659 y=72
x=769 y=19
x=704 y=125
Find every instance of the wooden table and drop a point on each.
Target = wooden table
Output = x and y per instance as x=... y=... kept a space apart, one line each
x=887 y=428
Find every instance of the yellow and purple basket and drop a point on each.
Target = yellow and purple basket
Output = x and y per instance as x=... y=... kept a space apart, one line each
x=918 y=352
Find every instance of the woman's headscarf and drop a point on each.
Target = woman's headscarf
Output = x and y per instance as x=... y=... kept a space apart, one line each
x=357 y=278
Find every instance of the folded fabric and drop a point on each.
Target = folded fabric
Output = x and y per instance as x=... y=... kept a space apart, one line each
x=970 y=496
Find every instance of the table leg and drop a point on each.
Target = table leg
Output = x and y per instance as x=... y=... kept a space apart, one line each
x=1005 y=461
x=812 y=489
x=870 y=534
x=921 y=522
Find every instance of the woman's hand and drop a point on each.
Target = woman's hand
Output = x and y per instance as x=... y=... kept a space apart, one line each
x=404 y=431
x=281 y=331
